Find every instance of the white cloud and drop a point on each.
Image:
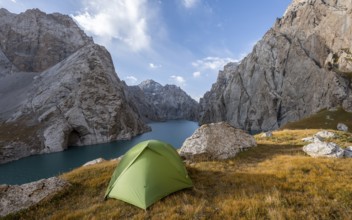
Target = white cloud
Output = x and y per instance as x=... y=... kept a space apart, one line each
x=154 y=66
x=14 y=1
x=124 y=20
x=178 y=80
x=131 y=80
x=190 y=3
x=196 y=74
x=212 y=63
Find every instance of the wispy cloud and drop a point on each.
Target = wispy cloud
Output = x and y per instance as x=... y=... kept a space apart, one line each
x=178 y=80
x=212 y=63
x=131 y=80
x=190 y=3
x=196 y=74
x=123 y=20
x=154 y=66
x=11 y=5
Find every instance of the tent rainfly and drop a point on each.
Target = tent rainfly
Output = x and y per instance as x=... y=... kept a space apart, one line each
x=148 y=172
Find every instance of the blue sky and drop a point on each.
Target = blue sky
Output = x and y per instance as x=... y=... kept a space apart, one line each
x=182 y=42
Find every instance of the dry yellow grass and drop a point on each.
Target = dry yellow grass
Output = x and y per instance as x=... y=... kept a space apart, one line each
x=272 y=181
x=294 y=137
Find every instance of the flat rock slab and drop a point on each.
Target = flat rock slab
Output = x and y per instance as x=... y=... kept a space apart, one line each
x=323 y=149
x=14 y=198
x=326 y=134
x=98 y=160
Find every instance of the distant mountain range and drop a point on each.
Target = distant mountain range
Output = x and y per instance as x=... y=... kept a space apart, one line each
x=155 y=102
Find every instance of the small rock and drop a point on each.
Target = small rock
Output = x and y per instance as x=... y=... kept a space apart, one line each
x=326 y=134
x=329 y=118
x=267 y=134
x=118 y=158
x=98 y=160
x=333 y=109
x=348 y=152
x=324 y=149
x=313 y=139
x=342 y=127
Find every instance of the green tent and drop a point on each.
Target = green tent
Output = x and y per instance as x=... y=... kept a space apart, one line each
x=148 y=172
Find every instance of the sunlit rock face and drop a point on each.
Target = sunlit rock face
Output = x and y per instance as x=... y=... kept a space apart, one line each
x=57 y=88
x=300 y=66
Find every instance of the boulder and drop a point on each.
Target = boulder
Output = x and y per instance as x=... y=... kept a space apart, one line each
x=348 y=152
x=14 y=198
x=216 y=141
x=324 y=149
x=342 y=127
x=326 y=134
x=98 y=160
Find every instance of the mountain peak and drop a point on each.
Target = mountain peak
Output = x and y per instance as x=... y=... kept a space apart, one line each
x=150 y=85
x=32 y=51
x=158 y=103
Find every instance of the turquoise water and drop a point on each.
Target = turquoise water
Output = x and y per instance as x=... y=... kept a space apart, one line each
x=46 y=165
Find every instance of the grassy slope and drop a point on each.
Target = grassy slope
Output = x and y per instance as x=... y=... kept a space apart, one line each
x=324 y=119
x=272 y=181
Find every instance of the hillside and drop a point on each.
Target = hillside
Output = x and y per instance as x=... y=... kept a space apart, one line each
x=324 y=119
x=275 y=180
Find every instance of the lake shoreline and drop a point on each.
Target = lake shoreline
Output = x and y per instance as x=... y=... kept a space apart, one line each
x=43 y=166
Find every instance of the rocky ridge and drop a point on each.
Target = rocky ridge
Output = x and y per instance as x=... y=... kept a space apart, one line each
x=299 y=67
x=160 y=103
x=57 y=87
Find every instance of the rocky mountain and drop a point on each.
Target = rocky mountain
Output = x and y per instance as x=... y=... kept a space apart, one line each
x=159 y=103
x=57 y=88
x=301 y=65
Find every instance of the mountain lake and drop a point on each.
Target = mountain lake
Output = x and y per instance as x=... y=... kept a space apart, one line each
x=41 y=166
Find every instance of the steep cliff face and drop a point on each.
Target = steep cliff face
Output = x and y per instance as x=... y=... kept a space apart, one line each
x=297 y=69
x=77 y=99
x=34 y=41
x=159 y=103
